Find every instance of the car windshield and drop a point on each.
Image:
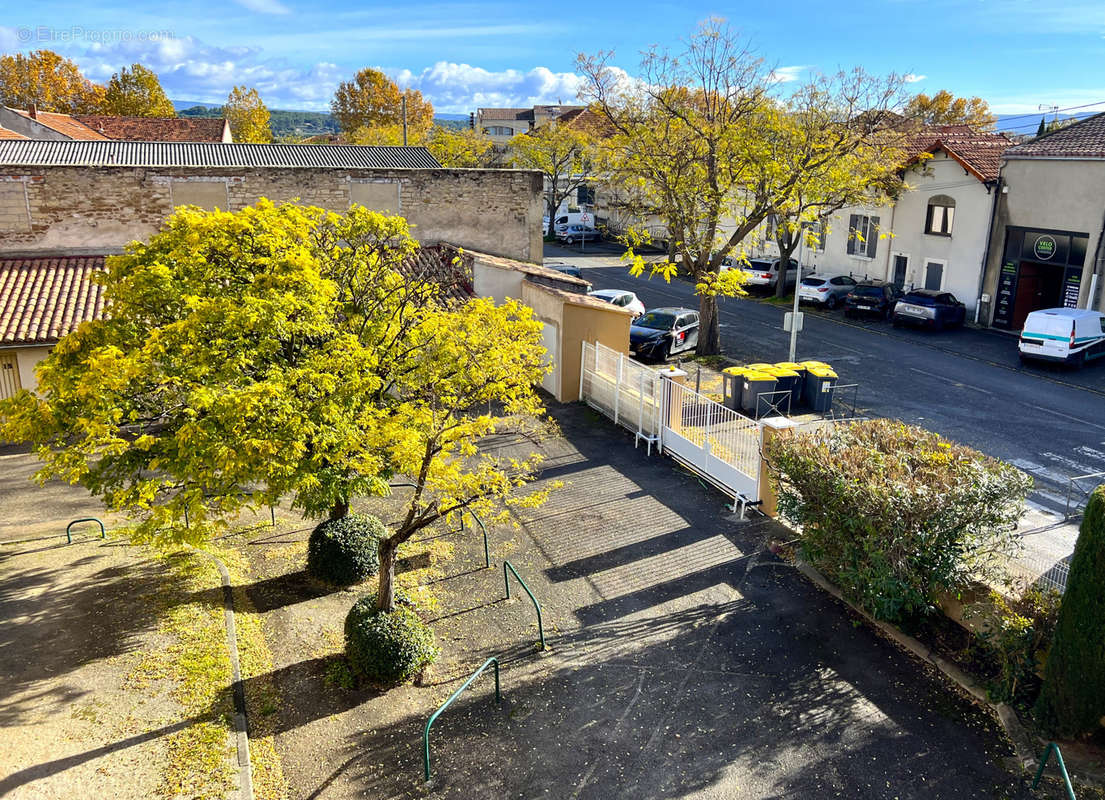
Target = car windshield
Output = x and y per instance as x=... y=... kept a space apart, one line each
x=868 y=291
x=813 y=281
x=919 y=299
x=656 y=321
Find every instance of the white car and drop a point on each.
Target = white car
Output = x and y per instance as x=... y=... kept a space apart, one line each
x=622 y=298
x=764 y=272
x=825 y=290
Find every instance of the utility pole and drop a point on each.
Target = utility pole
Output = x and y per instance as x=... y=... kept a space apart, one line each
x=404 y=119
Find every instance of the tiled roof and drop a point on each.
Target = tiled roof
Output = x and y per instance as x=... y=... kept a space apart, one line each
x=587 y=120
x=6 y=134
x=1083 y=139
x=41 y=153
x=156 y=129
x=445 y=265
x=43 y=299
x=525 y=114
x=63 y=124
x=979 y=153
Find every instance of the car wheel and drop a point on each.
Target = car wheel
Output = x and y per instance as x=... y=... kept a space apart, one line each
x=665 y=353
x=849 y=313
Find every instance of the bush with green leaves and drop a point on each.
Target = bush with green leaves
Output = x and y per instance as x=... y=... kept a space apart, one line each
x=1072 y=702
x=1014 y=638
x=895 y=514
x=387 y=647
x=346 y=550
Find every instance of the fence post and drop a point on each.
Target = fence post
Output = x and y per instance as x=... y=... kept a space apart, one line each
x=582 y=368
x=641 y=405
x=618 y=387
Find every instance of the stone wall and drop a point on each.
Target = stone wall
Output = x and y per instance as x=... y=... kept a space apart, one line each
x=100 y=209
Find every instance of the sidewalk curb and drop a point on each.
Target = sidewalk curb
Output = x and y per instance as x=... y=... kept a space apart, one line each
x=241 y=728
x=1022 y=743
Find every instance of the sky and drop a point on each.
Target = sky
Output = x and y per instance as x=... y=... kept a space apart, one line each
x=1016 y=54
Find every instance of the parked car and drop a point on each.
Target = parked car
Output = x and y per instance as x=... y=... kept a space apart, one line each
x=621 y=298
x=1064 y=335
x=824 y=290
x=929 y=308
x=568 y=269
x=577 y=233
x=663 y=332
x=764 y=272
x=871 y=298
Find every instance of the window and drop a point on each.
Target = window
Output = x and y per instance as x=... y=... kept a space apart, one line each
x=934 y=275
x=498 y=130
x=863 y=235
x=842 y=280
x=815 y=235
x=941 y=210
x=585 y=196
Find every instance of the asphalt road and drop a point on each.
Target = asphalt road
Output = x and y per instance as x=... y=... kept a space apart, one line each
x=967 y=385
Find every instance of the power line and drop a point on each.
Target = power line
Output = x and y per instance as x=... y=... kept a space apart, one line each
x=1038 y=113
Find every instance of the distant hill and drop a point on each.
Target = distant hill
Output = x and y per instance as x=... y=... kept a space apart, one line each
x=300 y=123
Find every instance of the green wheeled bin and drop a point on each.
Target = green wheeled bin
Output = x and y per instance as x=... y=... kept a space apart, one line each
x=732 y=382
x=755 y=384
x=820 y=384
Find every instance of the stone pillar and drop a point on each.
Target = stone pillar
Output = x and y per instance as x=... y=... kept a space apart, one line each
x=673 y=414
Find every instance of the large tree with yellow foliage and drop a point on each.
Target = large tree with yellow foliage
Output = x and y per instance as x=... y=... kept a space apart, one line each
x=373 y=100
x=944 y=108
x=47 y=81
x=136 y=92
x=278 y=351
x=564 y=154
x=247 y=115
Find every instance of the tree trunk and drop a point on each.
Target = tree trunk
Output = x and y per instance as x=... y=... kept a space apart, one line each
x=709 y=331
x=786 y=249
x=552 y=205
x=385 y=594
x=340 y=509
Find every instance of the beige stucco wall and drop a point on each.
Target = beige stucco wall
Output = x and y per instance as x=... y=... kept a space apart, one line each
x=82 y=209
x=26 y=358
x=1055 y=194
x=496 y=282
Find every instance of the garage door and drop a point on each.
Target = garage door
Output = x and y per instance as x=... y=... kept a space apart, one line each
x=9 y=376
x=550 y=339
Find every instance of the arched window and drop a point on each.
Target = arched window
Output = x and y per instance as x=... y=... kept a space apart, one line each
x=938 y=221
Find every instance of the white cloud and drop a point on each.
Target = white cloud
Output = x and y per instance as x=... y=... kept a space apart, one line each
x=911 y=78
x=786 y=74
x=457 y=88
x=264 y=6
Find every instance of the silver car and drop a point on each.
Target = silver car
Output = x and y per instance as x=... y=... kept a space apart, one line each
x=825 y=291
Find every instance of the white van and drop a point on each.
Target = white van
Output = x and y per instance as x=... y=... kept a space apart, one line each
x=585 y=218
x=1066 y=335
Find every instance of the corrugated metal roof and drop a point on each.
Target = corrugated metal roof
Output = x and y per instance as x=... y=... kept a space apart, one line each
x=41 y=153
x=43 y=299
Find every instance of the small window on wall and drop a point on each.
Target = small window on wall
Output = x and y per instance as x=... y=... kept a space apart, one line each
x=208 y=195
x=499 y=130
x=941 y=210
x=863 y=235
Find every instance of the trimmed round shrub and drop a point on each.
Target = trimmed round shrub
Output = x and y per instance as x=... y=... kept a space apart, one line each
x=345 y=551
x=387 y=647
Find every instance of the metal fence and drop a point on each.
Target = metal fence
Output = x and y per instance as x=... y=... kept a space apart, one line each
x=1035 y=569
x=722 y=433
x=629 y=393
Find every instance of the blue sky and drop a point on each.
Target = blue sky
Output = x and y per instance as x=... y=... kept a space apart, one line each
x=1017 y=54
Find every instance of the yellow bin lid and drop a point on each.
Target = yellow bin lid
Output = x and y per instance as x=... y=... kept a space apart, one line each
x=735 y=370
x=756 y=375
x=823 y=372
x=760 y=367
x=789 y=365
x=812 y=364
x=781 y=372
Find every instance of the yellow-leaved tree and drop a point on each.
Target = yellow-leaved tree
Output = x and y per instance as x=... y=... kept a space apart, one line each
x=564 y=154
x=136 y=92
x=373 y=100
x=247 y=115
x=49 y=82
x=281 y=351
x=944 y=108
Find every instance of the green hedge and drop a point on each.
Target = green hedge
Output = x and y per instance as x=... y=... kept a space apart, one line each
x=387 y=647
x=1072 y=702
x=895 y=514
x=345 y=551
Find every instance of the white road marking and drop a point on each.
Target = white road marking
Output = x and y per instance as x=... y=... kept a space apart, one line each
x=1079 y=469
x=1066 y=416
x=1091 y=452
x=946 y=379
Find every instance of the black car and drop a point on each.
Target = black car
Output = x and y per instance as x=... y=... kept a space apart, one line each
x=875 y=298
x=568 y=269
x=662 y=332
x=930 y=309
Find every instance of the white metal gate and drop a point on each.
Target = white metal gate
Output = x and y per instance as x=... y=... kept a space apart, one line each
x=716 y=442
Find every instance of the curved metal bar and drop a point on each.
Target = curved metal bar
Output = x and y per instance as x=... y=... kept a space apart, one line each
x=452 y=697
x=1054 y=748
x=506 y=580
x=69 y=528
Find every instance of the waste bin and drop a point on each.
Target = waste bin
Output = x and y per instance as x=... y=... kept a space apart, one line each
x=760 y=367
x=820 y=383
x=755 y=383
x=806 y=398
x=732 y=381
x=786 y=380
x=796 y=394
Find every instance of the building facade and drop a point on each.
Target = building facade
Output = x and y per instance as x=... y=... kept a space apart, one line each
x=1047 y=248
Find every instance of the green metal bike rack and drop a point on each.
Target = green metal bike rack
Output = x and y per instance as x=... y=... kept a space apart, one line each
x=1054 y=748
x=69 y=528
x=486 y=548
x=506 y=580
x=445 y=705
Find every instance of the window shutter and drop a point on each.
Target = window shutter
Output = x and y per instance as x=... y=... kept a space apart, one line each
x=873 y=237
x=853 y=222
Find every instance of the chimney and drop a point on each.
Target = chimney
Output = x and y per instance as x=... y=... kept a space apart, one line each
x=34 y=110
